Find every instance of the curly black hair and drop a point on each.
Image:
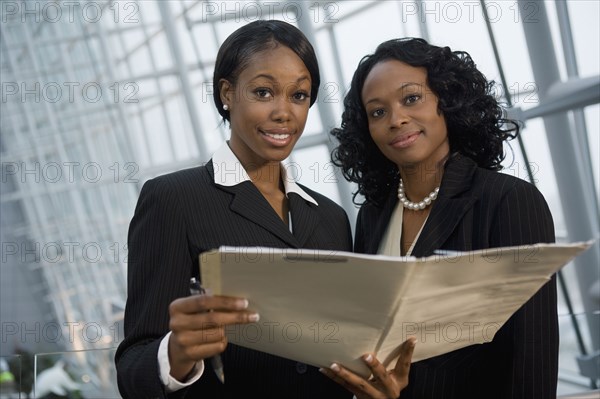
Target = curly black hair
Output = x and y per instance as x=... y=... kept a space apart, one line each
x=476 y=127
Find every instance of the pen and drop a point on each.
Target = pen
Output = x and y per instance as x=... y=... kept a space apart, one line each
x=215 y=361
x=447 y=252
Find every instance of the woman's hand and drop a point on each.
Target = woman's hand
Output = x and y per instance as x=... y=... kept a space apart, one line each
x=197 y=325
x=384 y=384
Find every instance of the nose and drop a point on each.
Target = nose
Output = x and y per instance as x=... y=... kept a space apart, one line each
x=398 y=116
x=281 y=109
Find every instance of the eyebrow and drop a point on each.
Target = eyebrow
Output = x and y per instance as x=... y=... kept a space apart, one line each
x=272 y=78
x=404 y=85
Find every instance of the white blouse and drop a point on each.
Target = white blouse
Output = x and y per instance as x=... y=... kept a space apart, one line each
x=390 y=244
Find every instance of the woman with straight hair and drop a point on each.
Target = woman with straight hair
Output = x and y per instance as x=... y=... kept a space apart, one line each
x=266 y=78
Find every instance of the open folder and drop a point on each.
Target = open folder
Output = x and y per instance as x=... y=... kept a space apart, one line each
x=320 y=307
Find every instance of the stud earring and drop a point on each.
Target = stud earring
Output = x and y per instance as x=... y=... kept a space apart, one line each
x=225 y=107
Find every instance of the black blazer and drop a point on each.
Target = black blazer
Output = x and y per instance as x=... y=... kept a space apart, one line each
x=478 y=209
x=177 y=217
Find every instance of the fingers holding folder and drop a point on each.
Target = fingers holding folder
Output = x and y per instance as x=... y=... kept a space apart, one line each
x=198 y=328
x=383 y=384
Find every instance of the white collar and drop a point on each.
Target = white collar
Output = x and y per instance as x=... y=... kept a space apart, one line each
x=230 y=172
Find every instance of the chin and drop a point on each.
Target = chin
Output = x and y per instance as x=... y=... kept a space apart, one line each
x=277 y=155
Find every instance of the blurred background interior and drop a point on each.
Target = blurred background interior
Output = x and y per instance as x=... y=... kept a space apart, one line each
x=99 y=96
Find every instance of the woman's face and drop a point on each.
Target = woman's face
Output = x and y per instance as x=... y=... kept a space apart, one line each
x=403 y=117
x=268 y=106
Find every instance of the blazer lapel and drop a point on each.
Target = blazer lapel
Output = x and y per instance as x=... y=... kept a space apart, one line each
x=449 y=208
x=249 y=203
x=382 y=223
x=304 y=218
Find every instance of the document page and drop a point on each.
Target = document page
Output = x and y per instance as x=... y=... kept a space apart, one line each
x=320 y=307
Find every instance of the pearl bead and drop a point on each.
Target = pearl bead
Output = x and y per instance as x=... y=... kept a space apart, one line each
x=416 y=205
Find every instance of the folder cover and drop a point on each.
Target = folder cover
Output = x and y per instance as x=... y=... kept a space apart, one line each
x=320 y=307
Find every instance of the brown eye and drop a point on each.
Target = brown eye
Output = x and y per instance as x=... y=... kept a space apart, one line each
x=377 y=113
x=300 y=96
x=262 y=92
x=411 y=99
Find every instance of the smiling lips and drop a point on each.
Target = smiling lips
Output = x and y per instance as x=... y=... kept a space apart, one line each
x=278 y=137
x=405 y=140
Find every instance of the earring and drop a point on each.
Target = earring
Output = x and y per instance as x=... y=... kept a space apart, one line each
x=225 y=107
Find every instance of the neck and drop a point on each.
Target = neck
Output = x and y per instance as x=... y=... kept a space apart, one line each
x=420 y=180
x=267 y=177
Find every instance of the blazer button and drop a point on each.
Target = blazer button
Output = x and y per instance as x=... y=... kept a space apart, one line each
x=301 y=368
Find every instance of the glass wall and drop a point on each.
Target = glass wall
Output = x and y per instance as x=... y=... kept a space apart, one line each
x=99 y=96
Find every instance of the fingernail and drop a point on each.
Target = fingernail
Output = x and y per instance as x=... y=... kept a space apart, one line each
x=242 y=304
x=335 y=367
x=322 y=370
x=254 y=317
x=369 y=358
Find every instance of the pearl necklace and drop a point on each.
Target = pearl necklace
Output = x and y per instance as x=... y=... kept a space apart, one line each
x=416 y=205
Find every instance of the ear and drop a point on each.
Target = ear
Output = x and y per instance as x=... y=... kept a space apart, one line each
x=226 y=91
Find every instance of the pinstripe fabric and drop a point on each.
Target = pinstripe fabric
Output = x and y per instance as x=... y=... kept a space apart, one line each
x=478 y=209
x=177 y=217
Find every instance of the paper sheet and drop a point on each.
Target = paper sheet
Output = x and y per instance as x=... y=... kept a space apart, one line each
x=320 y=307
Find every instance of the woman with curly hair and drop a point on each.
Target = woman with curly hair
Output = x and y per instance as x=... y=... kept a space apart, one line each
x=422 y=136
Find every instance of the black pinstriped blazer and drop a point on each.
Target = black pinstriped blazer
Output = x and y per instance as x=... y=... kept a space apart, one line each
x=177 y=217
x=479 y=209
